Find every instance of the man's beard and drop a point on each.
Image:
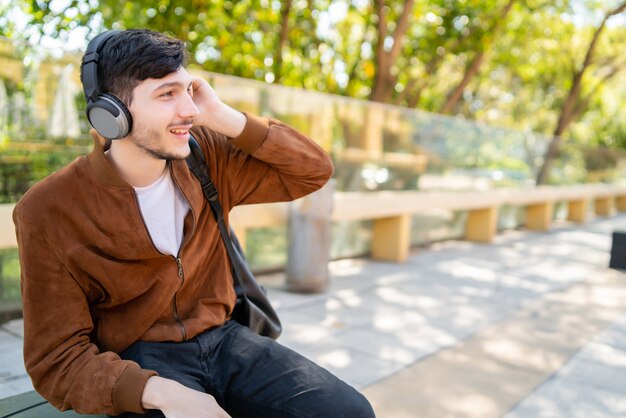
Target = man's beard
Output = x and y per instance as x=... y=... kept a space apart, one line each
x=147 y=139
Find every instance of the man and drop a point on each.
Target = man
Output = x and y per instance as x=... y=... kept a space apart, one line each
x=126 y=284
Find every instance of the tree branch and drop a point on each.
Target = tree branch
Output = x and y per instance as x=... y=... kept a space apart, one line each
x=282 y=39
x=381 y=26
x=384 y=81
x=567 y=111
x=401 y=29
x=474 y=65
x=413 y=91
x=574 y=91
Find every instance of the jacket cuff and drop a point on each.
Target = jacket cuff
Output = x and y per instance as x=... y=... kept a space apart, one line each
x=253 y=135
x=127 y=393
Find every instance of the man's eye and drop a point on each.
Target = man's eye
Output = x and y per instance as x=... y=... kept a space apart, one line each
x=166 y=94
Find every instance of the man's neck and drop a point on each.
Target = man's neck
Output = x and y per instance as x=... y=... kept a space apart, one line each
x=135 y=166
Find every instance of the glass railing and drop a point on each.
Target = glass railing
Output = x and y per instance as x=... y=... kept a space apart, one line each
x=383 y=147
x=373 y=146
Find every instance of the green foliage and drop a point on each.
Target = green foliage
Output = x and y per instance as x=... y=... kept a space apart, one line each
x=531 y=55
x=23 y=164
x=9 y=280
x=601 y=158
x=229 y=37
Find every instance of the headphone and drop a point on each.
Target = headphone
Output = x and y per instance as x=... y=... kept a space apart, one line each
x=105 y=112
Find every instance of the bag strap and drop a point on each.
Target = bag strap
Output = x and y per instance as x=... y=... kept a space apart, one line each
x=197 y=165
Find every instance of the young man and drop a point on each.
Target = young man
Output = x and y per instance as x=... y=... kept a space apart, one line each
x=127 y=289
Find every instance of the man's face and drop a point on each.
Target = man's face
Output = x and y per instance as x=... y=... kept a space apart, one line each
x=163 y=112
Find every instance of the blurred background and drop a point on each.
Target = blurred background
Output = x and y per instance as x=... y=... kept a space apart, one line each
x=404 y=95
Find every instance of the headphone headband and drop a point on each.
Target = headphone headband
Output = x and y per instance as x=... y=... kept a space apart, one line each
x=91 y=86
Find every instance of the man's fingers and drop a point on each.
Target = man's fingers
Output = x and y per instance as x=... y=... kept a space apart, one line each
x=196 y=83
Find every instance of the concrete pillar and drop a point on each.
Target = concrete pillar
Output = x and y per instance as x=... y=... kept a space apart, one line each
x=604 y=206
x=391 y=238
x=539 y=216
x=310 y=228
x=481 y=224
x=620 y=203
x=577 y=210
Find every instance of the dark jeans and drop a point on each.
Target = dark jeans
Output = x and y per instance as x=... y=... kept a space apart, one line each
x=250 y=376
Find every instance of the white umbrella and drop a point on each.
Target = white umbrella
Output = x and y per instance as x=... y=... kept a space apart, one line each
x=63 y=121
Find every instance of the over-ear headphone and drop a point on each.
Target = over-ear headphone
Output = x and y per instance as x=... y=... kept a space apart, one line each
x=105 y=112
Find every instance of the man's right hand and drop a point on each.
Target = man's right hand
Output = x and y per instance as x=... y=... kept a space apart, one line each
x=178 y=401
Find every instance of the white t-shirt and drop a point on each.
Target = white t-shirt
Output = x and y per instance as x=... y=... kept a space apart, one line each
x=164 y=209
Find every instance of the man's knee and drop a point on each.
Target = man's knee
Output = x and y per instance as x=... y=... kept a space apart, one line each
x=357 y=407
x=347 y=402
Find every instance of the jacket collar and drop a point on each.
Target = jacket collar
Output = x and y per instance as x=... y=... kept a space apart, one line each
x=106 y=173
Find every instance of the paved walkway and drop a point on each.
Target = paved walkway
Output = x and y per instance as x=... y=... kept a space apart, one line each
x=531 y=326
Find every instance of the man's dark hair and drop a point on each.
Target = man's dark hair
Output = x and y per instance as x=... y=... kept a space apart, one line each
x=134 y=55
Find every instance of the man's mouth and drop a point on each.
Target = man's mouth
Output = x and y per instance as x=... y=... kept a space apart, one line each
x=181 y=130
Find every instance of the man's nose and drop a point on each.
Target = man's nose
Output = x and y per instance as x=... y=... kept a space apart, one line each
x=187 y=108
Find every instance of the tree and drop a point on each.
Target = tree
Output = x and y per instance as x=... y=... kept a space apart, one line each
x=475 y=63
x=429 y=55
x=441 y=48
x=386 y=56
x=283 y=39
x=248 y=38
x=574 y=105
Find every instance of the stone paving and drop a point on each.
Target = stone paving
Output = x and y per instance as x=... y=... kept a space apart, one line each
x=533 y=325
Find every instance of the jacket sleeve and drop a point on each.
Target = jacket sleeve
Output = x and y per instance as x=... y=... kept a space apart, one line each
x=269 y=162
x=65 y=366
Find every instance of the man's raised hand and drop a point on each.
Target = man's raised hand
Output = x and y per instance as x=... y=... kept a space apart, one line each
x=214 y=114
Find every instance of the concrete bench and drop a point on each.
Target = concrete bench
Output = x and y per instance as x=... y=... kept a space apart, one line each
x=32 y=405
x=391 y=211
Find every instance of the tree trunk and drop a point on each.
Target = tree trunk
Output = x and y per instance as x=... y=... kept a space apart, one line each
x=282 y=39
x=384 y=81
x=567 y=110
x=455 y=95
x=474 y=66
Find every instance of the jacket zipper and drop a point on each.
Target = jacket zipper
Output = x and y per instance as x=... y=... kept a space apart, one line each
x=179 y=262
x=181 y=276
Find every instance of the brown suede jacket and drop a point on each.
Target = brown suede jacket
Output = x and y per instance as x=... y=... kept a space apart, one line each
x=93 y=282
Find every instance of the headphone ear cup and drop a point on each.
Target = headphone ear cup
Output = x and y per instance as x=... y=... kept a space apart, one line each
x=109 y=116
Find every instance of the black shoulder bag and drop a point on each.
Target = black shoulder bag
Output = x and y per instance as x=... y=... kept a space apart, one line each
x=252 y=309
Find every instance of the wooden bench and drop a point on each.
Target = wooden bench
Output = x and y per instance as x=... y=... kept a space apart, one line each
x=32 y=405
